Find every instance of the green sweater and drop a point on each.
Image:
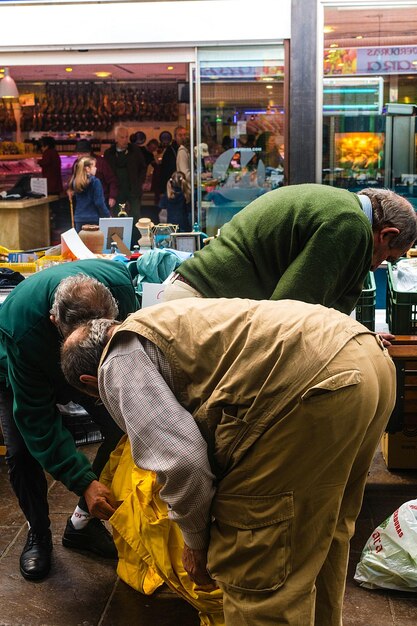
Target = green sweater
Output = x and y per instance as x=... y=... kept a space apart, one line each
x=303 y=242
x=29 y=364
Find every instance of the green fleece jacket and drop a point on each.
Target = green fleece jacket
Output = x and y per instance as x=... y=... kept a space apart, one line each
x=29 y=363
x=303 y=242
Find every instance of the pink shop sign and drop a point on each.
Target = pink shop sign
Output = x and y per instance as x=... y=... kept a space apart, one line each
x=386 y=60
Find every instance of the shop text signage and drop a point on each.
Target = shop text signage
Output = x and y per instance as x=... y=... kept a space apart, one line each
x=239 y=72
x=377 y=60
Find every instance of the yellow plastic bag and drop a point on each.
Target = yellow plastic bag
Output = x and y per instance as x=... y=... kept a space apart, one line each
x=149 y=544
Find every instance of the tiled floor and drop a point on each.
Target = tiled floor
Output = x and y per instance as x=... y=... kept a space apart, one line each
x=85 y=591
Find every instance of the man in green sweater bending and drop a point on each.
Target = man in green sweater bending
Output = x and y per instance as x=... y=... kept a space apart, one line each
x=309 y=242
x=33 y=319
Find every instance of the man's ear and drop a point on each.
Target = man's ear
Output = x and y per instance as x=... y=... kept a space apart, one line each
x=388 y=233
x=90 y=384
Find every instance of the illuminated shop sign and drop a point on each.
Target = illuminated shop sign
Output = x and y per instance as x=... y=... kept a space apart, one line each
x=249 y=72
x=353 y=96
x=378 y=60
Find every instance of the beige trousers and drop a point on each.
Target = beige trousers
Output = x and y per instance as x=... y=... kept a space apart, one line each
x=285 y=515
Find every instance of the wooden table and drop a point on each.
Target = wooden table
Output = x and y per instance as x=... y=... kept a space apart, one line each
x=25 y=224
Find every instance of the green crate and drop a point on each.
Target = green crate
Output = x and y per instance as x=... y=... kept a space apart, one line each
x=365 y=306
x=401 y=312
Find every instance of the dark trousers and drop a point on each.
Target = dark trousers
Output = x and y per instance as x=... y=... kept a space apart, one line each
x=26 y=474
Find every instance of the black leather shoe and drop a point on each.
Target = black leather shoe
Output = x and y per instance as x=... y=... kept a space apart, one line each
x=35 y=560
x=94 y=537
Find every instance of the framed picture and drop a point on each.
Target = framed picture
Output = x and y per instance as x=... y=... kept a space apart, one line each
x=120 y=226
x=186 y=242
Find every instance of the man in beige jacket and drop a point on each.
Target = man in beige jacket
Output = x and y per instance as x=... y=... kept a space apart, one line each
x=261 y=420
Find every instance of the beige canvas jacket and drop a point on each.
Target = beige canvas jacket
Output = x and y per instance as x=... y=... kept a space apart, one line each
x=239 y=364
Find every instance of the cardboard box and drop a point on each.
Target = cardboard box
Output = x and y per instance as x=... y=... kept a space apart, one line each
x=400 y=449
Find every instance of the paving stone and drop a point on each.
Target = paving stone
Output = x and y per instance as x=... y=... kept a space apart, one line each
x=83 y=590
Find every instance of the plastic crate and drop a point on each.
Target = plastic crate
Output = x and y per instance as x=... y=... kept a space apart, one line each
x=23 y=268
x=81 y=426
x=365 y=306
x=401 y=311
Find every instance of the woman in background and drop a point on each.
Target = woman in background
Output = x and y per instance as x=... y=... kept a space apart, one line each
x=88 y=192
x=176 y=202
x=51 y=166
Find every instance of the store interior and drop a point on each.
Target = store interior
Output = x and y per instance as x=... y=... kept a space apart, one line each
x=241 y=108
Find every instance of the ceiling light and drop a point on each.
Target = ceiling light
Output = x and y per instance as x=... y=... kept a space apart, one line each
x=328 y=29
x=8 y=87
x=269 y=86
x=170 y=67
x=359 y=37
x=68 y=69
x=334 y=45
x=102 y=74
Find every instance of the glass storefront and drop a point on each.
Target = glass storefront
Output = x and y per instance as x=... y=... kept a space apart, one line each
x=240 y=148
x=370 y=98
x=231 y=100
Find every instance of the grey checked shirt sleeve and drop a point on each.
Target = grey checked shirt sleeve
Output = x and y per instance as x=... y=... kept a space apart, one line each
x=134 y=386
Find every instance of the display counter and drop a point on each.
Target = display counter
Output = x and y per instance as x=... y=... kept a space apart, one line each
x=25 y=223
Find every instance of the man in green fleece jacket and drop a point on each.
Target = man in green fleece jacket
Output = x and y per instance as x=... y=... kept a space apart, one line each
x=31 y=384
x=309 y=242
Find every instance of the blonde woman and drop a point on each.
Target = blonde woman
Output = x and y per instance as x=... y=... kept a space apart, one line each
x=88 y=192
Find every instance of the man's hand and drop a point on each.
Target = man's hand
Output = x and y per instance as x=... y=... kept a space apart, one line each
x=99 y=500
x=385 y=338
x=112 y=202
x=195 y=564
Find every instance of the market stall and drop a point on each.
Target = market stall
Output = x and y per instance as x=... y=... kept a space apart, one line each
x=25 y=223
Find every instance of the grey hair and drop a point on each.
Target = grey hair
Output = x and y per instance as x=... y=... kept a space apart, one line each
x=118 y=128
x=390 y=209
x=82 y=355
x=80 y=298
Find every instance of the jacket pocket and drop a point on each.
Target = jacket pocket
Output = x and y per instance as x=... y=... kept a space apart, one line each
x=250 y=546
x=336 y=382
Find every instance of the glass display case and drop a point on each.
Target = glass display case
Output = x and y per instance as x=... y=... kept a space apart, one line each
x=13 y=167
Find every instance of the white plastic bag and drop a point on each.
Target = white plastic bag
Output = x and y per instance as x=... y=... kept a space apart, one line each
x=389 y=558
x=406 y=274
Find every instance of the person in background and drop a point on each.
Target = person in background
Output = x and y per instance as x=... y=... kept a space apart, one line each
x=127 y=162
x=151 y=154
x=88 y=192
x=104 y=172
x=202 y=152
x=227 y=143
x=176 y=202
x=270 y=143
x=308 y=242
x=169 y=158
x=260 y=420
x=51 y=165
x=183 y=161
x=33 y=320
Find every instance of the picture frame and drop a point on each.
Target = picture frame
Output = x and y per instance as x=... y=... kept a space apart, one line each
x=186 y=242
x=121 y=226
